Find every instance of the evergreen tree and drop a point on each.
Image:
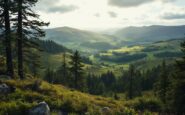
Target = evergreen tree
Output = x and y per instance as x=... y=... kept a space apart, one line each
x=162 y=84
x=27 y=27
x=95 y=85
x=5 y=23
x=77 y=71
x=134 y=82
x=109 y=80
x=63 y=76
x=131 y=75
x=49 y=75
x=32 y=54
x=176 y=94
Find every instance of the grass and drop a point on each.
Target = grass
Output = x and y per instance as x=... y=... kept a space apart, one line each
x=57 y=96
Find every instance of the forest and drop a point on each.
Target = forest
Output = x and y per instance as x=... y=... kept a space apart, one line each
x=67 y=71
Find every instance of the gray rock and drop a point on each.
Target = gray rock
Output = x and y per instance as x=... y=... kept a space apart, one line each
x=4 y=89
x=106 y=111
x=41 y=109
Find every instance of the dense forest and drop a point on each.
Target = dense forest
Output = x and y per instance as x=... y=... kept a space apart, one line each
x=42 y=77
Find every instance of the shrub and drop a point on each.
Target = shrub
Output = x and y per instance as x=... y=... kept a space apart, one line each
x=15 y=108
x=143 y=103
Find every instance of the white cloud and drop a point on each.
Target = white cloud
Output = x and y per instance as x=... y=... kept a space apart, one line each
x=133 y=3
x=98 y=15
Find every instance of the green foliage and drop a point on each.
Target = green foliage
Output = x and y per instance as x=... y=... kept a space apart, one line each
x=175 y=94
x=145 y=103
x=15 y=108
x=161 y=86
x=57 y=97
x=133 y=87
x=2 y=64
x=77 y=71
x=168 y=54
x=51 y=47
x=49 y=75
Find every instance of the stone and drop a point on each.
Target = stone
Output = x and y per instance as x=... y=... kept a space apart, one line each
x=5 y=89
x=41 y=109
x=106 y=111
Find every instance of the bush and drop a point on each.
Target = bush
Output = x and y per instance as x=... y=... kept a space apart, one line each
x=15 y=108
x=143 y=103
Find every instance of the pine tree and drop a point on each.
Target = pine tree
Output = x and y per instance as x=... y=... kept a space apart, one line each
x=176 y=94
x=49 y=75
x=77 y=71
x=5 y=23
x=32 y=54
x=133 y=82
x=27 y=27
x=63 y=76
x=162 y=84
x=131 y=75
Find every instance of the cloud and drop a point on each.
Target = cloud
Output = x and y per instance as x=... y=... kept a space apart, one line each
x=132 y=3
x=173 y=16
x=62 y=9
x=49 y=6
x=112 y=14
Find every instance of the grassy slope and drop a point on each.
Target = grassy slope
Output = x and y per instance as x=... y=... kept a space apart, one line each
x=57 y=96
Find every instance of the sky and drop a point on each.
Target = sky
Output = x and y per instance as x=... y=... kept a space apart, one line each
x=101 y=15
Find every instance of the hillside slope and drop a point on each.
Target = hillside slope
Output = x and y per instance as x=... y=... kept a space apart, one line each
x=150 y=33
x=146 y=55
x=31 y=91
x=77 y=39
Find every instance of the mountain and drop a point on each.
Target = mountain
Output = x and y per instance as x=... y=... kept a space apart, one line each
x=67 y=34
x=76 y=39
x=93 y=42
x=150 y=33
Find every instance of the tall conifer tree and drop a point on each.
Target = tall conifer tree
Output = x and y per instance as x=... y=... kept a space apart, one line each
x=5 y=24
x=28 y=27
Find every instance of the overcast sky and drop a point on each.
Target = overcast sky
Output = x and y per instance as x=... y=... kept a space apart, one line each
x=109 y=14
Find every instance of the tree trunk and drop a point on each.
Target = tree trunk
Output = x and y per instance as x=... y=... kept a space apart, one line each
x=9 y=61
x=20 y=40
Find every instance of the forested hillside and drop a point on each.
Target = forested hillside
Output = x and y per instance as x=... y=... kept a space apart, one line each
x=67 y=71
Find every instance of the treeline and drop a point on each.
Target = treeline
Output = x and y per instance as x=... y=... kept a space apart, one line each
x=166 y=81
x=51 y=47
x=122 y=58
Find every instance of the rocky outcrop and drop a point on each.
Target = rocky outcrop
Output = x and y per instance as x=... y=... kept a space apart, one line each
x=41 y=109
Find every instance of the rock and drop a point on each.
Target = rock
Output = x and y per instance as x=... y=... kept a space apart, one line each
x=41 y=109
x=5 y=89
x=106 y=111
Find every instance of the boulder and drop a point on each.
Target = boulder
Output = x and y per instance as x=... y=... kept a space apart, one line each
x=106 y=111
x=41 y=109
x=5 y=89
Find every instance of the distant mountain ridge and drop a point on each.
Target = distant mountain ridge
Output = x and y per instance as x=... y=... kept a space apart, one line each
x=151 y=33
x=67 y=34
x=80 y=39
x=92 y=42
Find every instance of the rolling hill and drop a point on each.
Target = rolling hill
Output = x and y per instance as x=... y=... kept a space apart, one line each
x=78 y=39
x=88 y=41
x=150 y=33
x=146 y=55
